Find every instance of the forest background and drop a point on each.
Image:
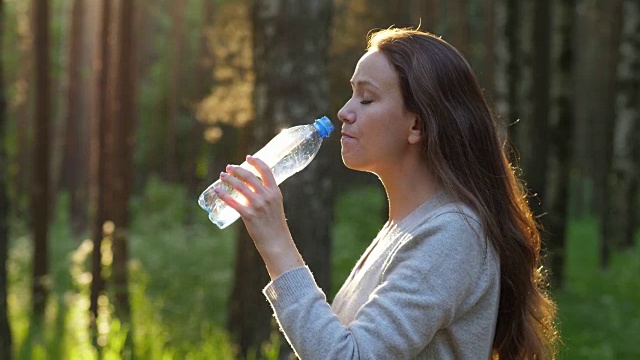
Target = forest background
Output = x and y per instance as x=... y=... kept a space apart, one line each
x=116 y=114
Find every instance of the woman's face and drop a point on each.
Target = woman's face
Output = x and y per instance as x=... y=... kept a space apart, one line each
x=376 y=126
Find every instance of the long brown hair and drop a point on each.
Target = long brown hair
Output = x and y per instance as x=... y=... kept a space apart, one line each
x=466 y=149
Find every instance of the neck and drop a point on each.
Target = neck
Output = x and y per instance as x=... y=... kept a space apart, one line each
x=407 y=192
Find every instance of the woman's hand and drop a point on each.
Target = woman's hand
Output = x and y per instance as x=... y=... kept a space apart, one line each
x=262 y=214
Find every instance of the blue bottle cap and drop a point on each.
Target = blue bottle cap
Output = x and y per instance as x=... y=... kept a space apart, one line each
x=324 y=126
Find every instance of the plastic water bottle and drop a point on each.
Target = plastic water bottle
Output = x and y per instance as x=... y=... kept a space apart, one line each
x=287 y=153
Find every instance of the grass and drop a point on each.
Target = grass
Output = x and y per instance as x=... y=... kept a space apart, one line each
x=599 y=311
x=181 y=273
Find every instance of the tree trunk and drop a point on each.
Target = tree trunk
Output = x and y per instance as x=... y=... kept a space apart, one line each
x=560 y=164
x=40 y=197
x=428 y=14
x=121 y=176
x=399 y=13
x=123 y=153
x=101 y=156
x=73 y=176
x=249 y=319
x=503 y=58
x=89 y=112
x=459 y=25
x=292 y=89
x=203 y=83
x=24 y=115
x=625 y=164
x=5 y=330
x=490 y=48
x=604 y=124
x=512 y=33
x=24 y=174
x=533 y=141
x=291 y=41
x=177 y=15
x=587 y=90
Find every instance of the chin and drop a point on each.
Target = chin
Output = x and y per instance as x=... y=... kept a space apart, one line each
x=348 y=163
x=353 y=164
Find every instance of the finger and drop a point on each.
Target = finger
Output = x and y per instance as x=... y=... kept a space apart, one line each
x=264 y=170
x=238 y=185
x=238 y=202
x=229 y=200
x=245 y=176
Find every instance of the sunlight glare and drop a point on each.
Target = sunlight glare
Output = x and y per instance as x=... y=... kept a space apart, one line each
x=243 y=200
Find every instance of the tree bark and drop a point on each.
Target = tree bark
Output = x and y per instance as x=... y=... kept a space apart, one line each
x=588 y=101
x=292 y=89
x=291 y=41
x=429 y=13
x=398 y=13
x=40 y=197
x=603 y=125
x=503 y=58
x=177 y=36
x=24 y=115
x=626 y=168
x=512 y=33
x=490 y=48
x=533 y=141
x=121 y=160
x=561 y=130
x=459 y=25
x=203 y=83
x=101 y=156
x=5 y=330
x=249 y=317
x=73 y=176
x=122 y=177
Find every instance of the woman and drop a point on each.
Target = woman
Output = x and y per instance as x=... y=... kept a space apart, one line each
x=455 y=271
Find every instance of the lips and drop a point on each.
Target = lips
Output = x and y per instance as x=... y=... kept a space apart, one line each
x=347 y=136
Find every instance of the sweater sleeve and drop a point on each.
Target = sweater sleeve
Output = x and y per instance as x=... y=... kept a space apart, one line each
x=425 y=279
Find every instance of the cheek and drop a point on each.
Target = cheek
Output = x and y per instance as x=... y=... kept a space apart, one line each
x=389 y=142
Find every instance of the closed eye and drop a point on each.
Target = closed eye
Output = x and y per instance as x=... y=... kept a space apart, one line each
x=366 y=102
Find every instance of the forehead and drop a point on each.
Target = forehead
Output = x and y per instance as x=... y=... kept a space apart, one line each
x=375 y=70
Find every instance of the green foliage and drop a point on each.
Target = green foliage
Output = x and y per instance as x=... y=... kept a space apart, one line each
x=354 y=229
x=598 y=311
x=189 y=265
x=179 y=283
x=156 y=85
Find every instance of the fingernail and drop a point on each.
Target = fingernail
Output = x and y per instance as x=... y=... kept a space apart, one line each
x=228 y=167
x=222 y=174
x=249 y=157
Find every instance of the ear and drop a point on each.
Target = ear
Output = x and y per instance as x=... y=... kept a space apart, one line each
x=415 y=132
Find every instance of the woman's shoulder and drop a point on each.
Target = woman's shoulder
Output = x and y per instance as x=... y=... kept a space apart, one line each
x=447 y=224
x=449 y=235
x=455 y=213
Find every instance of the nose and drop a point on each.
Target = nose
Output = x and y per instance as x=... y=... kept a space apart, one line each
x=345 y=114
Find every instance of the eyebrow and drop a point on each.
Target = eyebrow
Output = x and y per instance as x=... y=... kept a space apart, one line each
x=363 y=83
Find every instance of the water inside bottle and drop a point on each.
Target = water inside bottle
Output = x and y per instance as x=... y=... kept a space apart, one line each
x=219 y=213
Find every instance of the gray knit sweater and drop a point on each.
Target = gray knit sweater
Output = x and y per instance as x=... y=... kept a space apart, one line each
x=428 y=289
